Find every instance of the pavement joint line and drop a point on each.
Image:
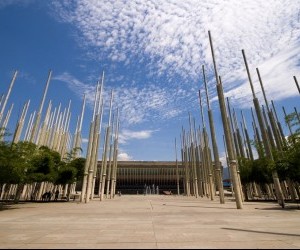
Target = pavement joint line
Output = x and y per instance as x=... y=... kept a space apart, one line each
x=153 y=227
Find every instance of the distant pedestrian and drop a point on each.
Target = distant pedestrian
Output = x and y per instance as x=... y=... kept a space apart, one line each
x=56 y=195
x=49 y=195
x=44 y=196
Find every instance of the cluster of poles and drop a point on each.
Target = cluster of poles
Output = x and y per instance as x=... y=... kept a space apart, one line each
x=201 y=164
x=108 y=170
x=53 y=131
x=202 y=174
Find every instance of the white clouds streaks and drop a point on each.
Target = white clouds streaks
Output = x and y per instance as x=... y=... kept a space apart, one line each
x=136 y=104
x=139 y=104
x=173 y=34
x=77 y=86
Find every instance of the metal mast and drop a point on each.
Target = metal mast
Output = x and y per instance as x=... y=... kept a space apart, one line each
x=227 y=132
x=38 y=117
x=266 y=141
x=219 y=177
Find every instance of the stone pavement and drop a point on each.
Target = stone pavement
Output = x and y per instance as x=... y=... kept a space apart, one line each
x=150 y=222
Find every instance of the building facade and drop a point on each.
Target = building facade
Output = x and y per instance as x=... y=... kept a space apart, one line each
x=148 y=177
x=160 y=177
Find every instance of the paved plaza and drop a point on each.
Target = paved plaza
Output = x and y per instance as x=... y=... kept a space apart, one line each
x=150 y=222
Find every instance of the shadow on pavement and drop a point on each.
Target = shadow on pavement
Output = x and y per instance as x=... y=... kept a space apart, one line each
x=261 y=232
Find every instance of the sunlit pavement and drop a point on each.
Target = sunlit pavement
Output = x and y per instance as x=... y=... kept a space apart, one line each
x=151 y=221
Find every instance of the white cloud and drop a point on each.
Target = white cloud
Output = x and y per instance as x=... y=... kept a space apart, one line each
x=126 y=135
x=223 y=159
x=85 y=140
x=277 y=76
x=136 y=104
x=77 y=86
x=139 y=104
x=124 y=157
x=171 y=37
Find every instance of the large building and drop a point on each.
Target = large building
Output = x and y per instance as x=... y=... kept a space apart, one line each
x=149 y=176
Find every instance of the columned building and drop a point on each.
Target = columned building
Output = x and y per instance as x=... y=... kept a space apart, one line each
x=154 y=177
x=138 y=177
x=149 y=176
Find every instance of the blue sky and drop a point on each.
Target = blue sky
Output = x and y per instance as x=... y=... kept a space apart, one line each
x=152 y=53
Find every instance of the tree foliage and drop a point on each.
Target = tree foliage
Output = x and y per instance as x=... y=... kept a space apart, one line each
x=25 y=162
x=286 y=162
x=259 y=170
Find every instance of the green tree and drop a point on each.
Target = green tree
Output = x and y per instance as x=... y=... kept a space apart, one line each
x=15 y=162
x=289 y=163
x=8 y=164
x=42 y=168
x=78 y=164
x=245 y=168
x=72 y=154
x=262 y=170
x=66 y=175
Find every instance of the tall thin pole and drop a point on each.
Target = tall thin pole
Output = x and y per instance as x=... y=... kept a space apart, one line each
x=38 y=117
x=185 y=161
x=8 y=94
x=227 y=132
x=247 y=137
x=193 y=159
x=28 y=128
x=206 y=150
x=65 y=132
x=42 y=132
x=198 y=158
x=1 y=100
x=283 y=139
x=6 y=119
x=274 y=127
x=288 y=122
x=202 y=163
x=297 y=84
x=268 y=128
x=297 y=115
x=228 y=165
x=115 y=158
x=84 y=194
x=94 y=164
x=257 y=136
x=53 y=126
x=20 y=123
x=238 y=134
x=266 y=141
x=245 y=145
x=110 y=158
x=177 y=174
x=234 y=134
x=214 y=143
x=107 y=142
x=96 y=137
x=77 y=137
